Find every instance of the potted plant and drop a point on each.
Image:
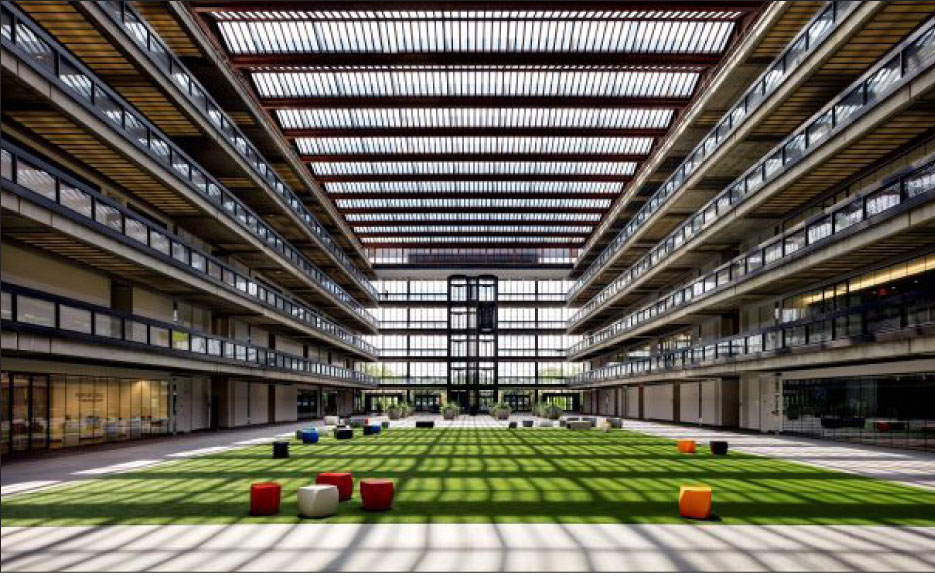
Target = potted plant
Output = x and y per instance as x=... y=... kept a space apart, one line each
x=394 y=411
x=553 y=412
x=450 y=410
x=501 y=411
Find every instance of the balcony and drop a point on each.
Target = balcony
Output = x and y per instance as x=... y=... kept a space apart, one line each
x=782 y=346
x=770 y=263
x=838 y=45
x=29 y=177
x=30 y=311
x=137 y=30
x=762 y=182
x=56 y=65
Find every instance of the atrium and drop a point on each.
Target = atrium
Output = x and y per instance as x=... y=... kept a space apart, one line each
x=463 y=285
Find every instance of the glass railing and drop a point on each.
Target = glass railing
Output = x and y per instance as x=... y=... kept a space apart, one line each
x=27 y=309
x=906 y=312
x=902 y=64
x=879 y=203
x=139 y=31
x=817 y=30
x=27 y=175
x=22 y=36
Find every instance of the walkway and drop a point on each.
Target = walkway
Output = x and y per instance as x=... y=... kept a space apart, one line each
x=467 y=547
x=908 y=467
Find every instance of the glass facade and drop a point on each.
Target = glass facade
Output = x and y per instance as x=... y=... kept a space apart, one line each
x=43 y=411
x=897 y=411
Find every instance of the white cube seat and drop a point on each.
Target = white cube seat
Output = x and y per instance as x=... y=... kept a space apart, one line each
x=318 y=500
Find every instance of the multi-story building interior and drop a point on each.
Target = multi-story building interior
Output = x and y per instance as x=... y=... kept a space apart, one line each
x=219 y=214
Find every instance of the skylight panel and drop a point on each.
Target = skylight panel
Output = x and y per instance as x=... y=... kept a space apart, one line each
x=469 y=203
x=474 y=145
x=472 y=240
x=474 y=229
x=468 y=168
x=531 y=217
x=404 y=81
x=472 y=187
x=510 y=34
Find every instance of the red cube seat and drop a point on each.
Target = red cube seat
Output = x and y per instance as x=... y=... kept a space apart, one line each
x=377 y=495
x=265 y=498
x=344 y=481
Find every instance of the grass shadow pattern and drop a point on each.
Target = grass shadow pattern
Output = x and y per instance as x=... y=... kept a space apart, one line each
x=478 y=475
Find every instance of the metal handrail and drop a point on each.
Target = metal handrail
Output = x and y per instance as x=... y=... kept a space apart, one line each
x=905 y=62
x=53 y=61
x=73 y=318
x=827 y=328
x=813 y=34
x=878 y=203
x=80 y=202
x=138 y=30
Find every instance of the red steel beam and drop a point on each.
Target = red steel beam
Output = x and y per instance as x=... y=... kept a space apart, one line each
x=468 y=131
x=666 y=103
x=715 y=6
x=691 y=61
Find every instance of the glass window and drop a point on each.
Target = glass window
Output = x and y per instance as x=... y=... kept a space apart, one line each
x=74 y=199
x=35 y=311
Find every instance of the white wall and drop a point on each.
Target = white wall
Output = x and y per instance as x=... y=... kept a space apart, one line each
x=633 y=402
x=658 y=401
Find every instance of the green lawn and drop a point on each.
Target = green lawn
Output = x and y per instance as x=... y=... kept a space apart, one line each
x=485 y=476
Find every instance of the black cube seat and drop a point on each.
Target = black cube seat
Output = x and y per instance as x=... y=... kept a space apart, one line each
x=528 y=423
x=343 y=433
x=719 y=447
x=425 y=423
x=280 y=449
x=512 y=424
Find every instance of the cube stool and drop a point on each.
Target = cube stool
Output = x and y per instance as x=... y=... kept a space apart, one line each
x=695 y=502
x=331 y=420
x=686 y=446
x=528 y=423
x=343 y=481
x=343 y=433
x=317 y=501
x=385 y=424
x=265 y=498
x=281 y=449
x=545 y=423
x=512 y=424
x=719 y=447
x=425 y=423
x=310 y=436
x=376 y=495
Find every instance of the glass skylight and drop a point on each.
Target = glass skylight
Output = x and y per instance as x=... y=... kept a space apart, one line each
x=493 y=31
x=492 y=203
x=475 y=229
x=618 y=118
x=474 y=145
x=473 y=187
x=402 y=81
x=467 y=168
x=471 y=240
x=532 y=217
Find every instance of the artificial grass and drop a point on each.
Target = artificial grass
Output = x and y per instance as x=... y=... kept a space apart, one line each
x=477 y=475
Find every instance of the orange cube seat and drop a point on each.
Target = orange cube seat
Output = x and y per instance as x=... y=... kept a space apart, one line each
x=686 y=446
x=695 y=502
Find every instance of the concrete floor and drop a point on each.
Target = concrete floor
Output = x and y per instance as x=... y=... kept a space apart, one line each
x=464 y=547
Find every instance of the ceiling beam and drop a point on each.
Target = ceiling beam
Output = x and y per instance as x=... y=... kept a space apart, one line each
x=391 y=101
x=474 y=157
x=480 y=195
x=690 y=61
x=474 y=177
x=477 y=131
x=744 y=6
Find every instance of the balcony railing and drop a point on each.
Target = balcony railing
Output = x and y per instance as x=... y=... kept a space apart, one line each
x=139 y=31
x=817 y=30
x=901 y=65
x=905 y=312
x=31 y=43
x=32 y=310
x=893 y=197
x=25 y=174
